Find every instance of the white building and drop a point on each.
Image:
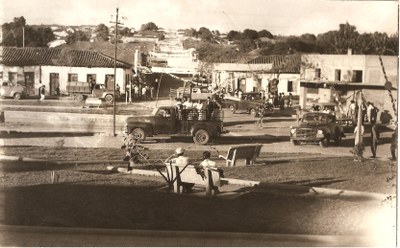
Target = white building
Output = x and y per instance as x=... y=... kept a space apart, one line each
x=326 y=78
x=54 y=68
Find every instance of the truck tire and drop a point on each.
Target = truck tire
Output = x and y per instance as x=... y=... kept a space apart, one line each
x=232 y=108
x=324 y=142
x=109 y=98
x=79 y=98
x=201 y=137
x=17 y=96
x=295 y=142
x=253 y=112
x=139 y=134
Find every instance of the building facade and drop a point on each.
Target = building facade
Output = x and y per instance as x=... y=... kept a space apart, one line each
x=329 y=78
x=54 y=68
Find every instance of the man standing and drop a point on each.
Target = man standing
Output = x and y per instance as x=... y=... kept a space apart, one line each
x=42 y=91
x=374 y=139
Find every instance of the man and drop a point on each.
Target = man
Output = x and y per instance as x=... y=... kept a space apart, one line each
x=374 y=139
x=42 y=92
x=178 y=159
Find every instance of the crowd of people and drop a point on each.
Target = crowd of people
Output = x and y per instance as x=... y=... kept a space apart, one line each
x=199 y=110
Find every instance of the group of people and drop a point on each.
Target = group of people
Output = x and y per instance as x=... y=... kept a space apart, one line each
x=188 y=110
x=143 y=93
x=179 y=159
x=277 y=100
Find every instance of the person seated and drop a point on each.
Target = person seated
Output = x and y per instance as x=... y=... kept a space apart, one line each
x=207 y=164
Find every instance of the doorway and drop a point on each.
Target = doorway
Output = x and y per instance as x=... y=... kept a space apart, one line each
x=30 y=82
x=54 y=84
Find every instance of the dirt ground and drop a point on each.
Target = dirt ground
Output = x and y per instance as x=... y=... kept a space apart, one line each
x=92 y=196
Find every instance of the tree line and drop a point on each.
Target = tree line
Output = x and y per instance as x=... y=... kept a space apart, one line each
x=212 y=46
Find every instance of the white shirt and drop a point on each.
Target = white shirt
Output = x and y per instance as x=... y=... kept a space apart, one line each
x=207 y=163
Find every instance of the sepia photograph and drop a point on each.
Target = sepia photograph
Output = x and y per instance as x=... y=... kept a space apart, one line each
x=203 y=123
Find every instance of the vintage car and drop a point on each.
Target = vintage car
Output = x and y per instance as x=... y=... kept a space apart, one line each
x=9 y=89
x=249 y=103
x=317 y=127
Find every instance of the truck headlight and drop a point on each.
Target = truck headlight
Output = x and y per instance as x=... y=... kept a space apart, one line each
x=293 y=131
x=320 y=133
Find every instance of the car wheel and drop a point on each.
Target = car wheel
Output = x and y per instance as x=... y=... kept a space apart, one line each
x=109 y=98
x=253 y=112
x=138 y=134
x=324 y=142
x=232 y=108
x=201 y=137
x=295 y=142
x=17 y=96
x=79 y=98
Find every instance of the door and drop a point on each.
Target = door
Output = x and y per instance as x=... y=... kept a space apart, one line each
x=29 y=78
x=109 y=82
x=54 y=84
x=164 y=122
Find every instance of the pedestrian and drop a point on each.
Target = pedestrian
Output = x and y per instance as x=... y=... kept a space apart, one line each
x=136 y=91
x=374 y=139
x=144 y=90
x=42 y=92
x=370 y=106
x=261 y=113
x=393 y=145
x=290 y=100
x=373 y=115
x=351 y=109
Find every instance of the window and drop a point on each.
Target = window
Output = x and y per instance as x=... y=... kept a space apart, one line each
x=317 y=73
x=312 y=90
x=338 y=74
x=290 y=86
x=356 y=76
x=72 y=77
x=91 y=77
x=12 y=77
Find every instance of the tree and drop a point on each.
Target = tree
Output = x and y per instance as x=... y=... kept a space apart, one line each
x=102 y=32
x=250 y=34
x=150 y=26
x=77 y=36
x=125 y=32
x=234 y=35
x=265 y=33
x=191 y=32
x=205 y=34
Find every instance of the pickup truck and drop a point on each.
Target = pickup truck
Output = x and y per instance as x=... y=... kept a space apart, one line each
x=9 y=89
x=194 y=93
x=317 y=127
x=170 y=121
x=249 y=102
x=82 y=90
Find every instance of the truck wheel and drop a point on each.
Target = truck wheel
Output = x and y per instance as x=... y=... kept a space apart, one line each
x=324 y=142
x=79 y=98
x=232 y=108
x=201 y=137
x=17 y=96
x=139 y=134
x=295 y=142
x=109 y=98
x=253 y=112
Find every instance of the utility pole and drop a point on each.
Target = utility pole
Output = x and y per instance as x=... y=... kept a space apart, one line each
x=115 y=67
x=23 y=36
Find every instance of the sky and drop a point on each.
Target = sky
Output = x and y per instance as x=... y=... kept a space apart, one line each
x=280 y=17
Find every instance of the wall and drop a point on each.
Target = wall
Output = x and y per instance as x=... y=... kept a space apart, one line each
x=42 y=75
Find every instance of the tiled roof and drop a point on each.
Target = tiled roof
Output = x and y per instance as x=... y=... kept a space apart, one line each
x=30 y=56
x=281 y=63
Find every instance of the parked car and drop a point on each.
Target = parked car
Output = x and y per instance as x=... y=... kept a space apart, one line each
x=249 y=102
x=195 y=93
x=9 y=89
x=317 y=127
x=169 y=121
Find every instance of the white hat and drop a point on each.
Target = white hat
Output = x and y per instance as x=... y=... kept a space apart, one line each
x=179 y=151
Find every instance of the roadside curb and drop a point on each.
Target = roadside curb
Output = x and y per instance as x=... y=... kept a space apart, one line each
x=258 y=186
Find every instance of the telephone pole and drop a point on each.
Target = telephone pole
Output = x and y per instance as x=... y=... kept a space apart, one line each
x=115 y=66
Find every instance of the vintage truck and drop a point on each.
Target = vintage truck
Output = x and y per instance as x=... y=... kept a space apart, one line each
x=194 y=93
x=82 y=90
x=317 y=127
x=9 y=89
x=170 y=121
x=249 y=103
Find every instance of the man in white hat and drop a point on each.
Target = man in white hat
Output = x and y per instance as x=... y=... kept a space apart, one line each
x=177 y=158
